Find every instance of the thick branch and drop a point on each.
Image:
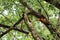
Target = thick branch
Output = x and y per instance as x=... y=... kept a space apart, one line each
x=31 y=28
x=33 y=12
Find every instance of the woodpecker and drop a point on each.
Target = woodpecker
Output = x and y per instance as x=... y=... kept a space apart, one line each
x=44 y=20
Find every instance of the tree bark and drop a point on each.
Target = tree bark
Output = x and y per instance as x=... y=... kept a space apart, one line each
x=31 y=28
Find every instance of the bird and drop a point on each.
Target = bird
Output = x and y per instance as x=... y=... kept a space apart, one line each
x=44 y=20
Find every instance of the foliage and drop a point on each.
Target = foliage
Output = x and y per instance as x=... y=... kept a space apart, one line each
x=11 y=11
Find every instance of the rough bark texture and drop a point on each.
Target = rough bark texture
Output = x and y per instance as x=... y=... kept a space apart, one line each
x=31 y=28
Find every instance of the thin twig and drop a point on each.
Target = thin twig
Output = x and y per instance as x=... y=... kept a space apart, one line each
x=44 y=9
x=11 y=28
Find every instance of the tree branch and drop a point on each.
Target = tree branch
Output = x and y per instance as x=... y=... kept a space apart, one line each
x=12 y=26
x=42 y=19
x=31 y=28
